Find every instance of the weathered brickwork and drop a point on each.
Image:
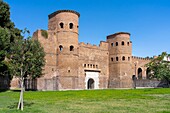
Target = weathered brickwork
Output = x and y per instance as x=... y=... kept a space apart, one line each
x=74 y=65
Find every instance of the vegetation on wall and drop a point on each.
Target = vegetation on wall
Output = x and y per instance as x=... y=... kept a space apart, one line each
x=44 y=33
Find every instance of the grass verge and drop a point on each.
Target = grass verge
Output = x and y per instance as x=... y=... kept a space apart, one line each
x=89 y=101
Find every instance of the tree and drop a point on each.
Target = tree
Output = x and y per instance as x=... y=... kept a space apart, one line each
x=8 y=33
x=160 y=67
x=21 y=57
x=26 y=60
x=5 y=21
x=4 y=47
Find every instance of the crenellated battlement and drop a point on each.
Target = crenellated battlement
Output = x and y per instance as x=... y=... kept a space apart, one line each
x=140 y=58
x=61 y=11
x=117 y=34
x=102 y=45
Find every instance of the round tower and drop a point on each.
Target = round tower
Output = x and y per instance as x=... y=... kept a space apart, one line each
x=120 y=53
x=63 y=24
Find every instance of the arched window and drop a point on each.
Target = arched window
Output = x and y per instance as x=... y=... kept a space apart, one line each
x=61 y=25
x=128 y=43
x=111 y=59
x=71 y=25
x=117 y=58
x=84 y=65
x=90 y=65
x=123 y=58
x=139 y=73
x=61 y=48
x=71 y=48
x=128 y=58
x=96 y=66
x=123 y=43
x=112 y=44
x=116 y=43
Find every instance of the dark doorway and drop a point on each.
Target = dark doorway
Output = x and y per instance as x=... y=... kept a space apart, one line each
x=139 y=73
x=90 y=84
x=148 y=73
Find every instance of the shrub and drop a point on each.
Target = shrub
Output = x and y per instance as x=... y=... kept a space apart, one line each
x=44 y=33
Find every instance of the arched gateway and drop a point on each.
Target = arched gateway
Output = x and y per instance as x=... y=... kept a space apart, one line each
x=90 y=84
x=92 y=80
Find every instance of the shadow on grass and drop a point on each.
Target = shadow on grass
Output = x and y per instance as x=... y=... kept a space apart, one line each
x=15 y=90
x=15 y=104
x=3 y=90
x=31 y=90
x=12 y=90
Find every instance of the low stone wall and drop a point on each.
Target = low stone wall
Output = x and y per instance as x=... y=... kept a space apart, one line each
x=74 y=83
x=148 y=83
x=50 y=84
x=40 y=84
x=4 y=83
x=60 y=83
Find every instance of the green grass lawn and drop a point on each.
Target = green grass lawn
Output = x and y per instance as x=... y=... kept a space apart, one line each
x=89 y=101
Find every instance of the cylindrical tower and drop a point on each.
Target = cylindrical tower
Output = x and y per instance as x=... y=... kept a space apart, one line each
x=120 y=52
x=64 y=25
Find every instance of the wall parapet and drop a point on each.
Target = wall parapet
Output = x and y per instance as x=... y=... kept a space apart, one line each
x=115 y=34
x=140 y=58
x=102 y=45
x=60 y=11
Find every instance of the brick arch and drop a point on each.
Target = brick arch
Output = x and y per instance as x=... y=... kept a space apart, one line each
x=71 y=25
x=90 y=84
x=61 y=24
x=123 y=43
x=71 y=48
x=139 y=73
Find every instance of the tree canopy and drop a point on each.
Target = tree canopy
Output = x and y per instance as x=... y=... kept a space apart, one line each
x=26 y=56
x=4 y=47
x=160 y=67
x=8 y=33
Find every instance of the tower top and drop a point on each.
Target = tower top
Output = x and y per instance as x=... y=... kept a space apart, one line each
x=60 y=11
x=119 y=33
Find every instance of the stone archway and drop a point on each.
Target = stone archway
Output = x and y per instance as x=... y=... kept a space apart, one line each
x=90 y=84
x=92 y=80
x=139 y=73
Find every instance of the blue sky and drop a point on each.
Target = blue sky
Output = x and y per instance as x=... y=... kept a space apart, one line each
x=148 y=21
